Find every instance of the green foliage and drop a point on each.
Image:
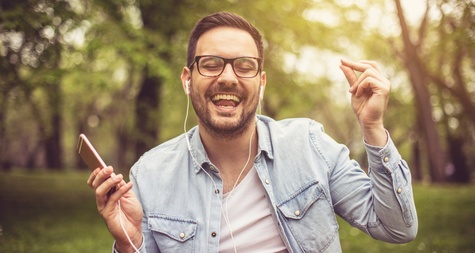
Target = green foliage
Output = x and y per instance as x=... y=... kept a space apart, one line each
x=56 y=212
x=86 y=60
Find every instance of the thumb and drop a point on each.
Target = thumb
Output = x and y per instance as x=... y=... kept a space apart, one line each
x=349 y=74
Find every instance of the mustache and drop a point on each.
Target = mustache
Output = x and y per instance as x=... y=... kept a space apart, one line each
x=234 y=89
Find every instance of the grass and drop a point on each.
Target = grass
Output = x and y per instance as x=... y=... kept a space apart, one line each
x=55 y=212
x=50 y=212
x=446 y=224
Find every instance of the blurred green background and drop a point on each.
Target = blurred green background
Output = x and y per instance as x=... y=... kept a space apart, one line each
x=110 y=69
x=56 y=213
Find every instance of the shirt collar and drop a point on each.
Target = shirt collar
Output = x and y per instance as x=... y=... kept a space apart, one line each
x=200 y=157
x=263 y=132
x=197 y=150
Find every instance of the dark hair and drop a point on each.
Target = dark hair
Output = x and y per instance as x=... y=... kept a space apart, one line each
x=220 y=19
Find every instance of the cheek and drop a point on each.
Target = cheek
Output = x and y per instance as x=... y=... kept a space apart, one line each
x=194 y=90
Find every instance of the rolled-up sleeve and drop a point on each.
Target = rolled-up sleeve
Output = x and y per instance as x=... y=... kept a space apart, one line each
x=393 y=196
x=381 y=204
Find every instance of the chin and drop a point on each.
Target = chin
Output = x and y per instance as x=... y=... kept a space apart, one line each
x=225 y=127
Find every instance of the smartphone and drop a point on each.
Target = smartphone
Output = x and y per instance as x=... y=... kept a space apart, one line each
x=89 y=154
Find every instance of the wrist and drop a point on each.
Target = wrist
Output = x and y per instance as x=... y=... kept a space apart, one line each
x=374 y=135
x=126 y=246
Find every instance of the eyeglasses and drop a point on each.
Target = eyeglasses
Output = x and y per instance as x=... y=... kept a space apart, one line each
x=213 y=66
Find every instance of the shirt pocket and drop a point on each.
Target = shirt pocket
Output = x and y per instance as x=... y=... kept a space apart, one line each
x=173 y=234
x=310 y=218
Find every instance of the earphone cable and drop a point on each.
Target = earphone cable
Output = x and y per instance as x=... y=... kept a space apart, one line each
x=123 y=227
x=214 y=184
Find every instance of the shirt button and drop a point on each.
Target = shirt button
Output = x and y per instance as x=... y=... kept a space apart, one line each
x=267 y=181
x=297 y=213
x=399 y=190
x=182 y=235
x=386 y=159
x=213 y=234
x=216 y=191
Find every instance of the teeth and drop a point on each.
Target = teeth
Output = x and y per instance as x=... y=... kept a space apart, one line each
x=226 y=97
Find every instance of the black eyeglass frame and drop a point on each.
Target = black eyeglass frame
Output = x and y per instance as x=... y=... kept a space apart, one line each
x=226 y=61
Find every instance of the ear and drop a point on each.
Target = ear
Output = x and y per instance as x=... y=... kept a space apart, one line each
x=263 y=85
x=185 y=80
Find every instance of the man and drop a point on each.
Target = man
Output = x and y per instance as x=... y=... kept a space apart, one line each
x=241 y=182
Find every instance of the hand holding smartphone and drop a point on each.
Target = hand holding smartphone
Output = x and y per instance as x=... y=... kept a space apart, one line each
x=93 y=160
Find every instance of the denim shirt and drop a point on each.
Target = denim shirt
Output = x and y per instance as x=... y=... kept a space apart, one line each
x=307 y=176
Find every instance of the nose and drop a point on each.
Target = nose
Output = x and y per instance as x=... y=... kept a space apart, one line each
x=228 y=75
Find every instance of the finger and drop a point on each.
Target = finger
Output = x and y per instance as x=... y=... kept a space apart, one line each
x=102 y=196
x=92 y=176
x=372 y=85
x=380 y=80
x=121 y=184
x=102 y=175
x=364 y=86
x=371 y=73
x=107 y=185
x=121 y=191
x=359 y=66
x=111 y=204
x=349 y=74
x=376 y=71
x=372 y=64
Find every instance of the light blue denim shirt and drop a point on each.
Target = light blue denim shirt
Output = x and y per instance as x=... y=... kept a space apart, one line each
x=307 y=176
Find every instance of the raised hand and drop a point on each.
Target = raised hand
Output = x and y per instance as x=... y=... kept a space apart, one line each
x=369 y=99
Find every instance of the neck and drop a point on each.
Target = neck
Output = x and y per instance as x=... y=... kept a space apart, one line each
x=230 y=155
x=219 y=147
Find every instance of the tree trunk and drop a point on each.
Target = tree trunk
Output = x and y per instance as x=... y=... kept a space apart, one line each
x=52 y=142
x=459 y=171
x=4 y=164
x=416 y=164
x=122 y=138
x=422 y=96
x=146 y=108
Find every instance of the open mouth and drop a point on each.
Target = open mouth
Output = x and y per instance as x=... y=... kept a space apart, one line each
x=225 y=101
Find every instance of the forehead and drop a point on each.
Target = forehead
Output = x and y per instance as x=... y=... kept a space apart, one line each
x=226 y=42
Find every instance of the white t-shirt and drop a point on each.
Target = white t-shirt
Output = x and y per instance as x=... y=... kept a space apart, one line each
x=249 y=217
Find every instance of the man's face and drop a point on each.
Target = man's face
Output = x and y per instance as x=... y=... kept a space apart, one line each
x=226 y=104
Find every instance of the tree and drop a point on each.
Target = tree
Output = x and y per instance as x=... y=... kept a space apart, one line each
x=111 y=69
x=32 y=49
x=453 y=44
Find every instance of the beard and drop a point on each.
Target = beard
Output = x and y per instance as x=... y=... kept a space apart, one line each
x=222 y=126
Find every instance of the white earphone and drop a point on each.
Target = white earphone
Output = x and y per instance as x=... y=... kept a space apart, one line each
x=261 y=92
x=187 y=87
